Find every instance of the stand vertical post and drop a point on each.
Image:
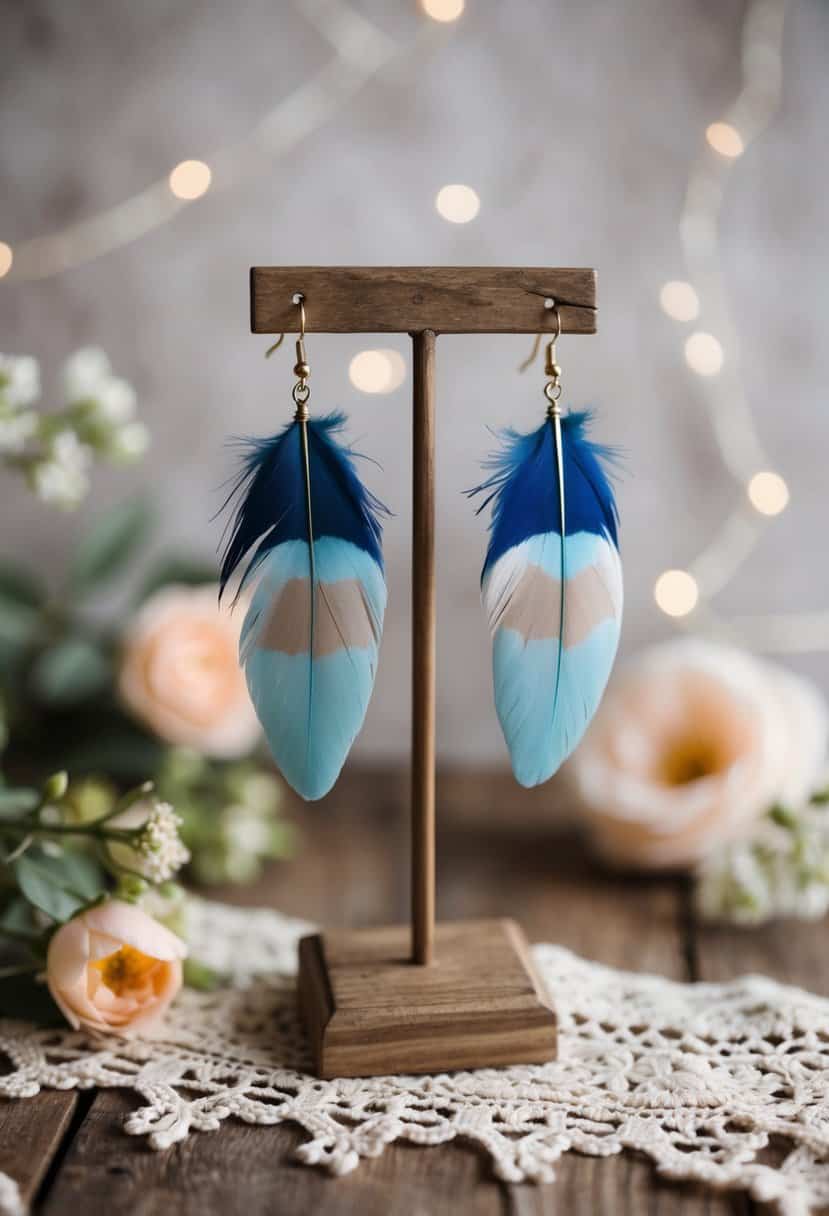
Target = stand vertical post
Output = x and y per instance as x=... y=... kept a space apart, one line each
x=423 y=647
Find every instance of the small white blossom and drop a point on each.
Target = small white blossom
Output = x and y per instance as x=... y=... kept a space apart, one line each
x=114 y=400
x=84 y=373
x=61 y=479
x=130 y=442
x=782 y=870
x=16 y=430
x=19 y=380
x=70 y=453
x=159 y=845
x=155 y=851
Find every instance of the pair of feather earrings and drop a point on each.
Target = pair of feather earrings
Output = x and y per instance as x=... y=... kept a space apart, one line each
x=551 y=587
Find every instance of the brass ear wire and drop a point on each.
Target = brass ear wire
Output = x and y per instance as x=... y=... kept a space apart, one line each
x=552 y=389
x=300 y=392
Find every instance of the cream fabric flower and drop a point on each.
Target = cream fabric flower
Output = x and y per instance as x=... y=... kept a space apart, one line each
x=114 y=969
x=180 y=672
x=693 y=742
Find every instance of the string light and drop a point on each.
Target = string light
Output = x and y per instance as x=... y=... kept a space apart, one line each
x=725 y=139
x=679 y=300
x=676 y=592
x=768 y=493
x=190 y=179
x=763 y=494
x=704 y=354
x=361 y=51
x=377 y=371
x=6 y=259
x=457 y=203
x=443 y=10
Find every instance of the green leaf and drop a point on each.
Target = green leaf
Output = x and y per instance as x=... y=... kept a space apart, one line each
x=17 y=623
x=15 y=802
x=178 y=569
x=201 y=977
x=108 y=548
x=85 y=874
x=70 y=672
x=18 y=586
x=17 y=917
x=59 y=885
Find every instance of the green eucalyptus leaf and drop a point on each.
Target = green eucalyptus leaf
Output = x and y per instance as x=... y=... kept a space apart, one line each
x=17 y=917
x=15 y=802
x=19 y=586
x=58 y=885
x=110 y=546
x=18 y=623
x=69 y=672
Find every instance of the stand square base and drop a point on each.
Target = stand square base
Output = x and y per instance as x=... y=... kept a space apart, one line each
x=369 y=1011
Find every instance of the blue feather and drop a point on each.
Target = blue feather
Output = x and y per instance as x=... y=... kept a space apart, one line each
x=310 y=639
x=553 y=594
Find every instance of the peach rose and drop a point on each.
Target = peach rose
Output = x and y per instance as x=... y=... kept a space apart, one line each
x=180 y=672
x=693 y=742
x=114 y=969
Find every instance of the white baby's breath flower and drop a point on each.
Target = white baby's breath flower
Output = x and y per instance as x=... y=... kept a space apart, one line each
x=130 y=442
x=84 y=373
x=68 y=451
x=781 y=870
x=61 y=479
x=114 y=400
x=16 y=430
x=156 y=850
x=19 y=380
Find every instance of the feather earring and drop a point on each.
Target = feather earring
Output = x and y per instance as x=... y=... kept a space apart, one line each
x=310 y=639
x=551 y=584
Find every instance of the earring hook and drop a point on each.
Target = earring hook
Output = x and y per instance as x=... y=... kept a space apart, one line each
x=551 y=345
x=299 y=299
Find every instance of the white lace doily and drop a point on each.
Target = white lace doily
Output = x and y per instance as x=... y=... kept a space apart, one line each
x=696 y=1076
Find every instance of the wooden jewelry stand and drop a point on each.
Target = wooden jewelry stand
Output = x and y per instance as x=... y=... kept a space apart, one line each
x=403 y=999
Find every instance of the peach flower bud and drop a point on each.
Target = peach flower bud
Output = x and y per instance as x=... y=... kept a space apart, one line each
x=180 y=672
x=114 y=969
x=692 y=744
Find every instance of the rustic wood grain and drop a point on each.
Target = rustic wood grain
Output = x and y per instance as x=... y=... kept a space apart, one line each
x=407 y=299
x=32 y=1131
x=248 y=1171
x=423 y=648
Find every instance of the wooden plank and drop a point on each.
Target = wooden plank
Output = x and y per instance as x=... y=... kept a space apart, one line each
x=793 y=952
x=409 y=299
x=247 y=1171
x=32 y=1131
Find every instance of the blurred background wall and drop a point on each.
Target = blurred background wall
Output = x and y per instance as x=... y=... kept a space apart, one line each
x=575 y=123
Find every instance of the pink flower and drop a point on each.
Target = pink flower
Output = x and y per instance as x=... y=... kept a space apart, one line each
x=114 y=969
x=180 y=672
x=692 y=744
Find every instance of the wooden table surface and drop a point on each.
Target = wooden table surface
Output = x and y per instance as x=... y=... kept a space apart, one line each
x=499 y=852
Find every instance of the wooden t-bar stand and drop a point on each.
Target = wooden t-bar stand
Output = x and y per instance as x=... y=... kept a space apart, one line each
x=474 y=1000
